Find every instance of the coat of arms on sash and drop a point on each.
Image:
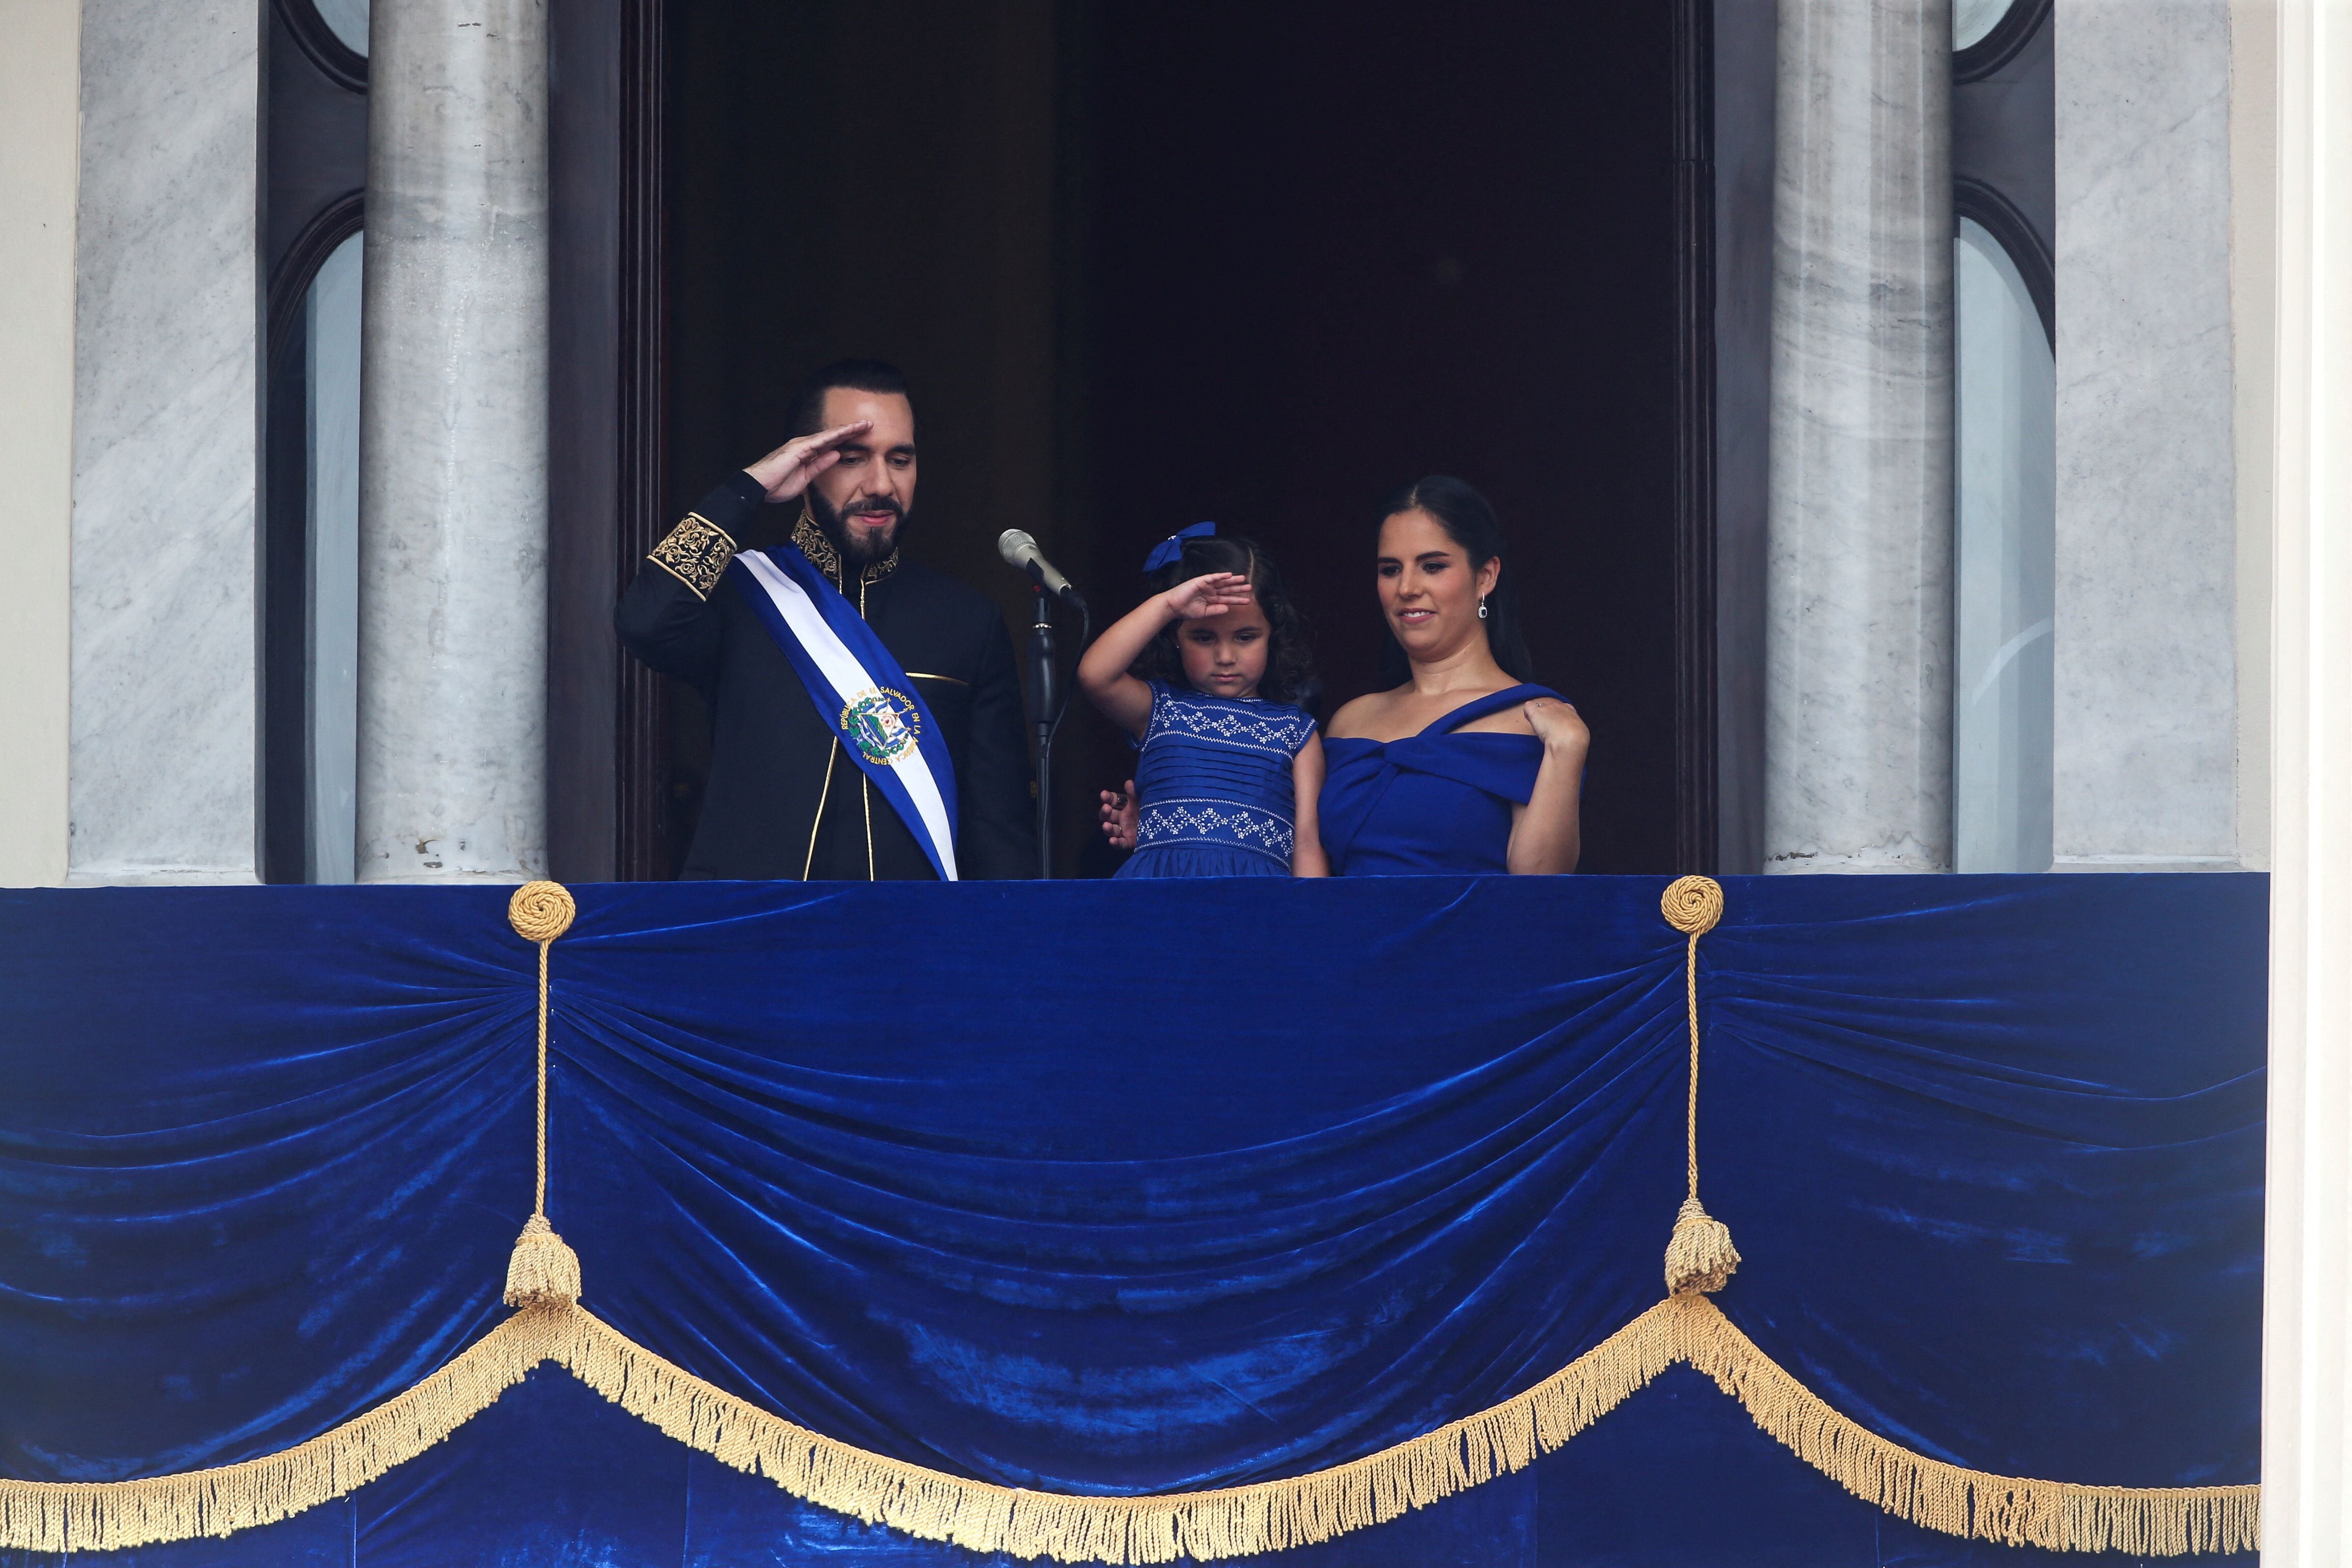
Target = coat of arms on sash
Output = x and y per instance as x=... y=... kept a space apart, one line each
x=841 y=660
x=883 y=723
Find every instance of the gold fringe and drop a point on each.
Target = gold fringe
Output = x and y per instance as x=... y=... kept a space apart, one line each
x=2059 y=1516
x=1235 y=1521
x=1267 y=1516
x=106 y=1516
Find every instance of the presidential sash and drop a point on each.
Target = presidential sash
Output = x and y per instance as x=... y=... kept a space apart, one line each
x=860 y=691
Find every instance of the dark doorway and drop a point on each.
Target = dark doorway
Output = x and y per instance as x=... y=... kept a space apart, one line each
x=1334 y=247
x=1152 y=263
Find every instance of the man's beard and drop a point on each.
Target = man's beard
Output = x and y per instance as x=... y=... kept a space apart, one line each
x=876 y=545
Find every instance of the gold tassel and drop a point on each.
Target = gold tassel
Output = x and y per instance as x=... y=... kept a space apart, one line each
x=1700 y=1257
x=544 y=1271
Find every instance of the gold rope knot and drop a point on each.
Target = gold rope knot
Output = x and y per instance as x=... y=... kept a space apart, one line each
x=1700 y=1257
x=1692 y=904
x=541 y=911
x=544 y=1271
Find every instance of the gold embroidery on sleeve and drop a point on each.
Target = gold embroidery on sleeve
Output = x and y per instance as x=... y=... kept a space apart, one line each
x=695 y=553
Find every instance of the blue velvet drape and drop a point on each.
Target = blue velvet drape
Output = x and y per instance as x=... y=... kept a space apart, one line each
x=1114 y=1188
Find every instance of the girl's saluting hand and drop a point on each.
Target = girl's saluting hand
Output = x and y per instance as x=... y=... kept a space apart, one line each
x=1210 y=594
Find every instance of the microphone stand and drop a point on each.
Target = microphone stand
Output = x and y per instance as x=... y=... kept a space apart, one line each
x=1050 y=705
x=1042 y=704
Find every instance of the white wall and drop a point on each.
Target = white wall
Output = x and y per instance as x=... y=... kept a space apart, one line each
x=2306 y=1317
x=2147 y=686
x=40 y=84
x=165 y=444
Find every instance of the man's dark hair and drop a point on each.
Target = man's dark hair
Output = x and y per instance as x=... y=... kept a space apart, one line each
x=857 y=375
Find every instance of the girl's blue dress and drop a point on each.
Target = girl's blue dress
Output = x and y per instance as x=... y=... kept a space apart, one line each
x=1214 y=784
x=1436 y=802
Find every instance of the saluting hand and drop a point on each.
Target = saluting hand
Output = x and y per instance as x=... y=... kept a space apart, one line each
x=787 y=470
x=1210 y=594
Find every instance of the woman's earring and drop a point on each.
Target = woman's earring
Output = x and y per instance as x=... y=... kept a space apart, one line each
x=1482 y=608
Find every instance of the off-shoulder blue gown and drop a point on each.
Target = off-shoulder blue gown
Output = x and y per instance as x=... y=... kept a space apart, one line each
x=1436 y=802
x=1216 y=785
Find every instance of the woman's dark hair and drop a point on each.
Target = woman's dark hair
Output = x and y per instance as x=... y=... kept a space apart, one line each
x=1471 y=523
x=1289 y=665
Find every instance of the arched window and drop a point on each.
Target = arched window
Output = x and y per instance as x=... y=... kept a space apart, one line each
x=348 y=20
x=315 y=157
x=2006 y=502
x=1973 y=20
x=331 y=315
x=333 y=34
x=311 y=557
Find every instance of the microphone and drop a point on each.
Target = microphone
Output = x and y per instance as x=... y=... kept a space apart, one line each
x=1020 y=550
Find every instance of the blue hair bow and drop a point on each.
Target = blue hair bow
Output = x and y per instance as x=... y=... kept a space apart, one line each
x=1170 y=550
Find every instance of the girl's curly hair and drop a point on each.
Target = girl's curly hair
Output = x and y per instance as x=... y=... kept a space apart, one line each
x=1289 y=663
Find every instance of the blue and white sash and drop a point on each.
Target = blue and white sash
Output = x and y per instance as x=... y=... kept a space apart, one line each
x=860 y=691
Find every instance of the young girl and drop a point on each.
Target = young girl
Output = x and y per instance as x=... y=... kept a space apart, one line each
x=1201 y=675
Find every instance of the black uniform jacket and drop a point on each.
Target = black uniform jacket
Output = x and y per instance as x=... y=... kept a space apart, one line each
x=785 y=799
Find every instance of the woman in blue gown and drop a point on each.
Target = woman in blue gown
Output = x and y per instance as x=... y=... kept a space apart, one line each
x=1463 y=764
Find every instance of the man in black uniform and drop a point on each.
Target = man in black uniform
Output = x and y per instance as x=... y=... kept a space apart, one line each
x=785 y=798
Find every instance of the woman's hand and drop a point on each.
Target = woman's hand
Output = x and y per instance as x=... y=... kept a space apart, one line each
x=1210 y=594
x=1548 y=833
x=1119 y=816
x=1556 y=724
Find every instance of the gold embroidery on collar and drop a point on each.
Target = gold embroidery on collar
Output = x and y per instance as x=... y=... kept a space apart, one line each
x=695 y=553
x=819 y=549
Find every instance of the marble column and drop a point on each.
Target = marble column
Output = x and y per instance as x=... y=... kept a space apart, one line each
x=167 y=363
x=452 y=445
x=1859 y=594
